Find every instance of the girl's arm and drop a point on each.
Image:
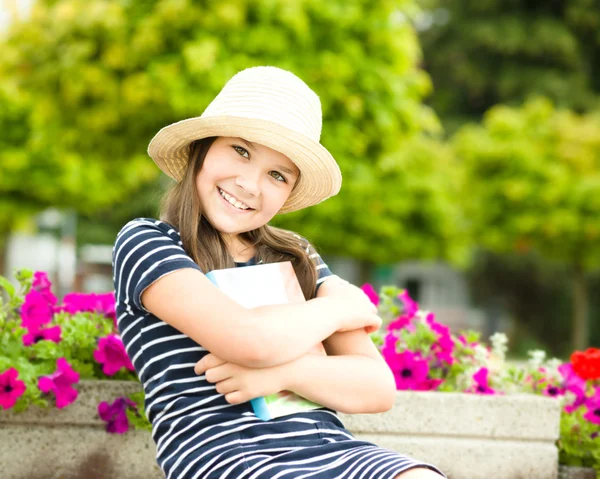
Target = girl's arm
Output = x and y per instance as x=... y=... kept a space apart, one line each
x=259 y=337
x=357 y=382
x=353 y=378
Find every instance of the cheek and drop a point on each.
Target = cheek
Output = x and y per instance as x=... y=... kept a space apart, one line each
x=279 y=196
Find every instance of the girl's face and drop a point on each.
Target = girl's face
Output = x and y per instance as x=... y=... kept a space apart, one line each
x=242 y=185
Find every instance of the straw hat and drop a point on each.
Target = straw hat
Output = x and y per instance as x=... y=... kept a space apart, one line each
x=268 y=106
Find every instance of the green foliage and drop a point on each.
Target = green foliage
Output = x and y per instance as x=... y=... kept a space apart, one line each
x=137 y=417
x=483 y=53
x=84 y=85
x=533 y=176
x=79 y=336
x=579 y=443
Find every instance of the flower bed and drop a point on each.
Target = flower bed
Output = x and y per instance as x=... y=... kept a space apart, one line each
x=424 y=355
x=49 y=348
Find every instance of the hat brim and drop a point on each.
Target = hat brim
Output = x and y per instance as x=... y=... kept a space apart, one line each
x=320 y=176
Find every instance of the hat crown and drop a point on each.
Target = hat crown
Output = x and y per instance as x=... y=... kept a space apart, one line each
x=270 y=94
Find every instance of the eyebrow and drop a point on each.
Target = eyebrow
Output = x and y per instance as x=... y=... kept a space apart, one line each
x=251 y=146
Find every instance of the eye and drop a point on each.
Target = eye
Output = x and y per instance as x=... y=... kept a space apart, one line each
x=278 y=176
x=241 y=151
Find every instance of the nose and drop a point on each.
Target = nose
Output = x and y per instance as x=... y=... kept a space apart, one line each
x=248 y=181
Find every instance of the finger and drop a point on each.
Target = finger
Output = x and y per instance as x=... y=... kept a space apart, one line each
x=220 y=373
x=236 y=397
x=226 y=386
x=207 y=362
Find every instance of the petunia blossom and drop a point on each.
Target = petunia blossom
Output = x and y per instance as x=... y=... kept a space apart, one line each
x=482 y=382
x=371 y=293
x=401 y=322
x=40 y=281
x=586 y=364
x=112 y=354
x=61 y=383
x=48 y=334
x=410 y=370
x=115 y=414
x=410 y=306
x=573 y=384
x=38 y=309
x=11 y=388
x=552 y=390
x=593 y=408
x=444 y=347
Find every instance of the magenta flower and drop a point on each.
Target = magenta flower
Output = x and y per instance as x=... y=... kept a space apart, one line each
x=410 y=370
x=89 y=303
x=60 y=383
x=112 y=354
x=444 y=348
x=401 y=322
x=482 y=382
x=11 y=388
x=553 y=391
x=38 y=309
x=115 y=414
x=41 y=281
x=48 y=334
x=575 y=385
x=410 y=306
x=593 y=407
x=371 y=293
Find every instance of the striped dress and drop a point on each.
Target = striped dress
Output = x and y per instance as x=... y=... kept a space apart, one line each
x=197 y=433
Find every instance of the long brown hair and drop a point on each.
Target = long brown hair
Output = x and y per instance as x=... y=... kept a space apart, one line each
x=180 y=207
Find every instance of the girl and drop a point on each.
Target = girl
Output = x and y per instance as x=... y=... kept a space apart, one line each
x=200 y=356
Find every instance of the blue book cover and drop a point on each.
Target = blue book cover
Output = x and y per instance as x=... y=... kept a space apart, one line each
x=261 y=285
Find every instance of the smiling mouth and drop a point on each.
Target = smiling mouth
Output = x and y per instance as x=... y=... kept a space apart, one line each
x=233 y=201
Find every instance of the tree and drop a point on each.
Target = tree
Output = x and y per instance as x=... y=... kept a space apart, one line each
x=481 y=53
x=533 y=179
x=95 y=79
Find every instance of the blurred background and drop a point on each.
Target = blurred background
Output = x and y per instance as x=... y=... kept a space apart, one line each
x=467 y=131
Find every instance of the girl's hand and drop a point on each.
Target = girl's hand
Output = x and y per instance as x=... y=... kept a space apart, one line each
x=359 y=311
x=239 y=383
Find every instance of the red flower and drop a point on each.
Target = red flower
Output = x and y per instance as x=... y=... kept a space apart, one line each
x=587 y=364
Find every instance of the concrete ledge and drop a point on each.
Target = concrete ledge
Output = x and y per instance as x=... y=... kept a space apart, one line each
x=72 y=443
x=467 y=436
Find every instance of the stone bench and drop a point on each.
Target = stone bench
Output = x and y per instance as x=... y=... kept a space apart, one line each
x=467 y=436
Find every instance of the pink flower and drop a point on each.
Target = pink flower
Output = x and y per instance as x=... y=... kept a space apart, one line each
x=60 y=383
x=482 y=382
x=553 y=391
x=90 y=303
x=575 y=385
x=41 y=281
x=410 y=370
x=38 y=309
x=48 y=334
x=371 y=293
x=11 y=388
x=444 y=348
x=115 y=414
x=593 y=408
x=410 y=306
x=112 y=354
x=400 y=322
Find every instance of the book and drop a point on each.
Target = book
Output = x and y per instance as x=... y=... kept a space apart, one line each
x=261 y=285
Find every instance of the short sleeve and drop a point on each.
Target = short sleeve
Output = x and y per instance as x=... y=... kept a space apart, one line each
x=145 y=250
x=323 y=271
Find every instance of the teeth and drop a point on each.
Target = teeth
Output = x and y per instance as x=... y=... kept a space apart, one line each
x=234 y=201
